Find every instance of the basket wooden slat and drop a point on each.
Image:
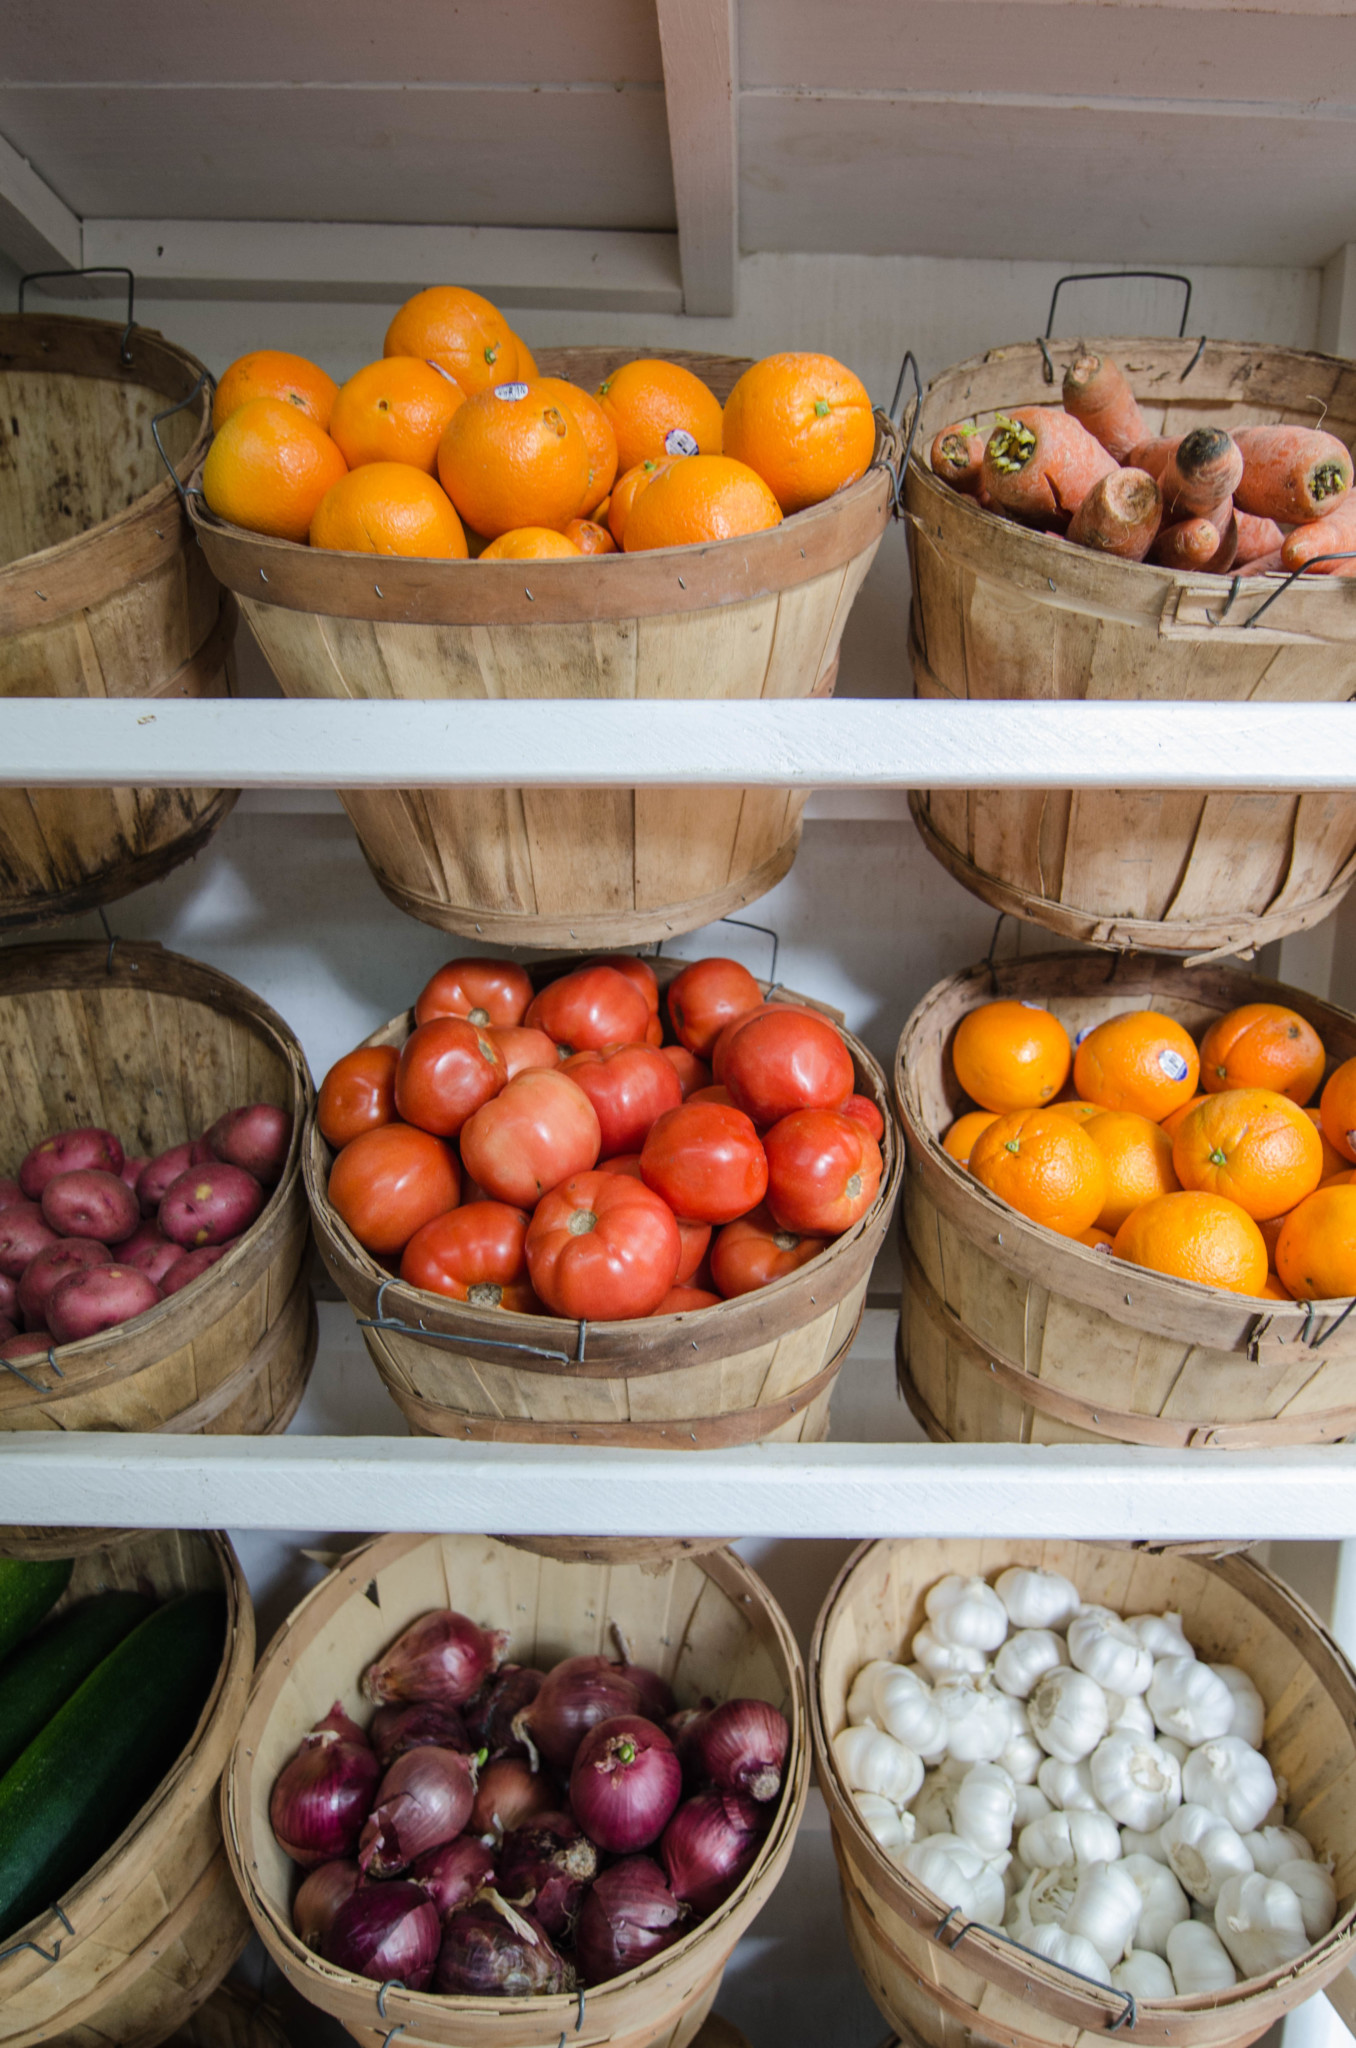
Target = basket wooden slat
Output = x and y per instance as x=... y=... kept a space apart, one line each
x=1000 y=611
x=709 y=1625
x=232 y=2018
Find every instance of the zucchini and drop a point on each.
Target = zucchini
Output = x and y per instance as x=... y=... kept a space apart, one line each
x=45 y=1671
x=28 y=1590
x=71 y=1793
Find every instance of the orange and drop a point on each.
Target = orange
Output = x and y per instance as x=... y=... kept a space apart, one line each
x=658 y=408
x=1271 y=1227
x=459 y=330
x=589 y=537
x=1316 y=1251
x=1339 y=1180
x=1333 y=1162
x=1253 y=1145
x=512 y=458
x=1196 y=1237
x=273 y=373
x=1081 y=1112
x=627 y=489
x=1139 y=1060
x=531 y=544
x=704 y=497
x=394 y=411
x=1010 y=1055
x=596 y=427
x=388 y=508
x=804 y=422
x=960 y=1139
x=1263 y=1045
x=1273 y=1289
x=1044 y=1165
x=1138 y=1158
x=1173 y=1121
x=527 y=362
x=269 y=467
x=1096 y=1239
x=1337 y=1109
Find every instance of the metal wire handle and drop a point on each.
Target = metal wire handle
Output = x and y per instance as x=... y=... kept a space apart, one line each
x=895 y=415
x=381 y=1321
x=1347 y=555
x=168 y=414
x=1127 y=2017
x=90 y=270
x=1106 y=276
x=51 y=1955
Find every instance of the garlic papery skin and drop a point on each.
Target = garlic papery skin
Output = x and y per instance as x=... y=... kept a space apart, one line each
x=947 y=1660
x=1164 y=1904
x=1174 y=1746
x=1232 y=1779
x=1260 y=1922
x=1106 y=1908
x=1313 y=1886
x=1138 y=1783
x=1161 y=1634
x=985 y=1808
x=1129 y=1711
x=883 y=1820
x=1065 y=1841
x=861 y=1699
x=966 y=1612
x=1037 y=1599
x=872 y=1761
x=978 y=1725
x=1270 y=1847
x=1043 y=1901
x=1144 y=1975
x=1203 y=1851
x=1025 y=1658
x=1068 y=1786
x=1199 y=1960
x=1032 y=1804
x=1068 y=1714
x=908 y=1712
x=1187 y=1700
x=959 y=1876
x=1070 y=1951
x=1101 y=1645
x=1250 y=1713
x=1022 y=1758
x=1139 y=1842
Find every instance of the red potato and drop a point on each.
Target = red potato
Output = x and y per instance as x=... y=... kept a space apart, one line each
x=24 y=1232
x=10 y=1192
x=7 y=1330
x=208 y=1204
x=150 y=1251
x=132 y=1169
x=157 y=1176
x=90 y=1204
x=255 y=1137
x=191 y=1265
x=33 y=1344
x=96 y=1299
x=42 y=1274
x=9 y=1297
x=200 y=1153
x=69 y=1152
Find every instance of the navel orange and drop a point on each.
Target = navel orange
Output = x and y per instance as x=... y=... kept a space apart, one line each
x=395 y=410
x=960 y=1138
x=1139 y=1060
x=1175 y=1118
x=1044 y=1165
x=596 y=428
x=1138 y=1159
x=627 y=489
x=1253 y=1145
x=589 y=537
x=658 y=408
x=1009 y=1055
x=531 y=544
x=1262 y=1045
x=1199 y=1237
x=1096 y=1239
x=1337 y=1109
x=273 y=373
x=1274 y=1289
x=804 y=422
x=460 y=330
x=701 y=498
x=510 y=458
x=269 y=467
x=527 y=362
x=1081 y=1112
x=1316 y=1250
x=1333 y=1162
x=389 y=508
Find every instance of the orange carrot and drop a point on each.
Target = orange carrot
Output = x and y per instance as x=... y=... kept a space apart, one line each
x=1120 y=515
x=1291 y=473
x=1154 y=454
x=1040 y=464
x=1256 y=537
x=1202 y=473
x=1190 y=544
x=1333 y=535
x=1263 y=565
x=1225 y=522
x=1098 y=394
x=958 y=457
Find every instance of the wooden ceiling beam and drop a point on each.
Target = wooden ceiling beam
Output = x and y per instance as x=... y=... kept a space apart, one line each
x=38 y=231
x=697 y=39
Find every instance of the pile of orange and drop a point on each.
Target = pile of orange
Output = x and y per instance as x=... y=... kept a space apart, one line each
x=454 y=445
x=1209 y=1162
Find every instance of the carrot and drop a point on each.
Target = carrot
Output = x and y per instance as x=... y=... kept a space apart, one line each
x=1120 y=515
x=1225 y=522
x=1291 y=473
x=1153 y=454
x=958 y=457
x=1098 y=395
x=1190 y=544
x=1040 y=464
x=1256 y=537
x=1263 y=565
x=1332 y=535
x=1202 y=473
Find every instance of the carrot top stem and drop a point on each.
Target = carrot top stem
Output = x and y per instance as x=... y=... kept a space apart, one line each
x=1011 y=445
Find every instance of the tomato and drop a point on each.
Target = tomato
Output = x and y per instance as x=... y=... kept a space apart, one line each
x=704 y=999
x=692 y=1073
x=654 y=1032
x=787 y=1060
x=483 y=991
x=823 y=1170
x=864 y=1111
x=448 y=1068
x=629 y=1086
x=474 y=1254
x=533 y=1135
x=755 y=1250
x=522 y=1048
x=388 y=1183
x=696 y=1236
x=706 y=1161
x=722 y=1045
x=591 y=1008
x=715 y=1093
x=357 y=1094
x=680 y=1301
x=602 y=1248
x=636 y=970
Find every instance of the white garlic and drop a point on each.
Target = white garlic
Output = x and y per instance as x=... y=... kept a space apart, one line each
x=1025 y=1658
x=934 y=1806
x=908 y=1711
x=1067 y=1785
x=1232 y=1779
x=883 y=1820
x=1174 y=1746
x=1161 y=1634
x=1144 y=1975
x=872 y=1761
x=1260 y=1922
x=1138 y=1783
x=959 y=1876
x=966 y=1612
x=1065 y=1840
x=861 y=1699
x=1021 y=1757
x=1187 y=1700
x=1270 y=1847
x=1043 y=1900
x=941 y=1659
x=1032 y=1804
x=984 y=1808
x=1068 y=1714
x=1129 y=1711
x=1106 y=1908
x=1014 y=1877
x=1199 y=1960
x=1165 y=1904
x=1070 y=1951
x=1312 y=1885
x=978 y=1726
x=1203 y=1850
x=1101 y=1645
x=1037 y=1599
x=1139 y=1842
x=1250 y=1714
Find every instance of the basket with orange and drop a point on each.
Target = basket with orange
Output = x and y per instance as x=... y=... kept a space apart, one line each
x=1130 y=1212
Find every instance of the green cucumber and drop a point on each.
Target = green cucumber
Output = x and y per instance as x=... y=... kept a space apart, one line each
x=28 y=1590
x=71 y=1793
x=45 y=1671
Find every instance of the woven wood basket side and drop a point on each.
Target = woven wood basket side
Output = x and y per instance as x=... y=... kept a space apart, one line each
x=708 y=1624
x=232 y=2018
x=1233 y=1611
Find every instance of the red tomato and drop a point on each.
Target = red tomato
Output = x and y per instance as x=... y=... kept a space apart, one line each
x=680 y=1301
x=602 y=1248
x=715 y=1093
x=591 y=1008
x=787 y=1060
x=636 y=970
x=474 y=1254
x=483 y=991
x=533 y=1135
x=654 y=1032
x=706 y=1161
x=704 y=999
x=863 y=1110
x=756 y=1250
x=722 y=1044
x=629 y=1086
x=357 y=1094
x=448 y=1068
x=522 y=1048
x=696 y=1236
x=692 y=1073
x=388 y=1183
x=823 y=1170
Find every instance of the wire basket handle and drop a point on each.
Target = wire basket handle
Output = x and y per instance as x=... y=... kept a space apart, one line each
x=896 y=419
x=168 y=414
x=1111 y=276
x=90 y=270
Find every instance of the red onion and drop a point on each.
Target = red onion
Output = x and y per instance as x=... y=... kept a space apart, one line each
x=625 y=1783
x=740 y=1746
x=575 y=1696
x=655 y=1693
x=510 y=1794
x=548 y=1866
x=491 y=1714
x=442 y=1656
x=323 y=1795
x=386 y=1931
x=485 y=1955
x=423 y=1724
x=628 y=1915
x=708 y=1846
x=423 y=1800
x=320 y=1896
x=453 y=1873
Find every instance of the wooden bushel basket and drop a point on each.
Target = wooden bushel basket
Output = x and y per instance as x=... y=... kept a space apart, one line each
x=948 y=1982
x=103 y=593
x=152 y=1928
x=231 y=2018
x=756 y=617
x=1012 y=1334
x=1001 y=611
x=709 y=1626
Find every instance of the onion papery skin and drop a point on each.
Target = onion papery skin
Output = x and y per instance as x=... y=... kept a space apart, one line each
x=739 y=1746
x=491 y=1714
x=386 y=1931
x=629 y=1914
x=575 y=1696
x=546 y=1868
x=423 y=1724
x=454 y=1872
x=425 y=1799
x=442 y=1656
x=323 y=1794
x=320 y=1895
x=625 y=1784
x=482 y=1956
x=509 y=1795
x=655 y=1693
x=709 y=1845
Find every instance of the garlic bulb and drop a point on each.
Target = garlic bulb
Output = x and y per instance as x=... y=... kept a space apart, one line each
x=907 y=1710
x=1232 y=1779
x=1164 y=1904
x=1187 y=1700
x=861 y=1699
x=966 y=1612
x=1138 y=1842
x=934 y=1808
x=1043 y=1900
x=1129 y=1711
x=941 y=1659
x=1161 y=1634
x=1198 y=1960
x=959 y=1876
x=872 y=1761
x=1068 y=1785
x=1144 y=1975
x=1070 y=1951
x=1021 y=1757
x=1269 y=1848
x=1250 y=1714
x=1174 y=1746
x=1037 y=1599
x=1138 y=1783
x=1065 y=1840
x=1101 y=1645
x=1260 y=1922
x=883 y=1820
x=1014 y=1877
x=985 y=1807
x=1313 y=1886
x=1025 y=1658
x=1032 y=1804
x=978 y=1727
x=1203 y=1850
x=1106 y=1909
x=1068 y=1714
